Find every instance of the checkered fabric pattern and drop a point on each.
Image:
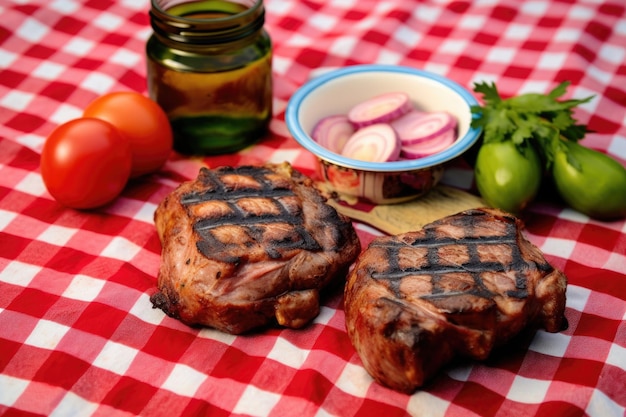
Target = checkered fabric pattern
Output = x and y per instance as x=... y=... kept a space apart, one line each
x=78 y=334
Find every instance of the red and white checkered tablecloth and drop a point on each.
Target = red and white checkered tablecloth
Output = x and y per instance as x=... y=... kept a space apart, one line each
x=78 y=335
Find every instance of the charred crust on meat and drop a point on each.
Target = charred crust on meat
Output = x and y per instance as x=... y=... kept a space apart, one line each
x=158 y=300
x=163 y=302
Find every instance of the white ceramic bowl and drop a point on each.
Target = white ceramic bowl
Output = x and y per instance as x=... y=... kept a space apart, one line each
x=337 y=91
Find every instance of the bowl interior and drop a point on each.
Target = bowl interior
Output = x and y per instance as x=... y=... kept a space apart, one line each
x=335 y=93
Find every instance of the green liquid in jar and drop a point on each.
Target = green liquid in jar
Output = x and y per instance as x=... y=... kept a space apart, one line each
x=218 y=95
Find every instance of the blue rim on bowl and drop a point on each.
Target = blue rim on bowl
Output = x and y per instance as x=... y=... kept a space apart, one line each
x=461 y=145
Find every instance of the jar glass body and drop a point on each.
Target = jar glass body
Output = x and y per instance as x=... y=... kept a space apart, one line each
x=209 y=68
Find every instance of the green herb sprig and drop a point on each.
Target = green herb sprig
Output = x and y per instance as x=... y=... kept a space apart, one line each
x=531 y=119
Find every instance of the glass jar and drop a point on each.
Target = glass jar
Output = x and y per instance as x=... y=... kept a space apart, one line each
x=209 y=68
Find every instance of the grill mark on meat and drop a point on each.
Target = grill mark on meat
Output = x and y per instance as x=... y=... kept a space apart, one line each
x=270 y=192
x=474 y=266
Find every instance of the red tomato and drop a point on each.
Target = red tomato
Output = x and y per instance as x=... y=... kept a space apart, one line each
x=85 y=163
x=142 y=122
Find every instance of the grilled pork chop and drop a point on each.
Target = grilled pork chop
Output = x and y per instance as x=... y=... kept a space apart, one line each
x=459 y=287
x=248 y=246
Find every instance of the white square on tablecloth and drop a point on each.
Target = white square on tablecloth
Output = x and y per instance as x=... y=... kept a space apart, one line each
x=65 y=7
x=144 y=311
x=115 y=357
x=143 y=34
x=280 y=65
x=19 y=273
x=6 y=217
x=407 y=36
x=560 y=247
x=453 y=46
x=32 y=30
x=618 y=147
x=73 y=405
x=537 y=8
x=599 y=75
x=581 y=12
x=79 y=46
x=322 y=22
x=121 y=248
x=616 y=262
x=299 y=40
x=256 y=402
x=567 y=35
x=136 y=4
x=32 y=184
x=613 y=53
x=17 y=100
x=146 y=213
x=46 y=334
x=127 y=58
x=528 y=390
x=518 y=31
x=552 y=60
x=437 y=68
x=12 y=389
x=344 y=4
x=34 y=142
x=49 y=70
x=184 y=380
x=354 y=380
x=617 y=355
x=323 y=413
x=471 y=22
x=500 y=54
x=108 y=21
x=288 y=354
x=383 y=7
x=366 y=23
x=64 y=113
x=57 y=235
x=573 y=215
x=280 y=7
x=423 y=403
x=553 y=344
x=217 y=335
x=84 y=288
x=325 y=314
x=7 y=58
x=343 y=46
x=426 y=13
x=98 y=83
x=601 y=405
x=281 y=155
x=577 y=297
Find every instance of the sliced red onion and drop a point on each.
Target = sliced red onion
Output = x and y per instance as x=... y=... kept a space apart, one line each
x=383 y=108
x=333 y=132
x=416 y=127
x=429 y=147
x=373 y=143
